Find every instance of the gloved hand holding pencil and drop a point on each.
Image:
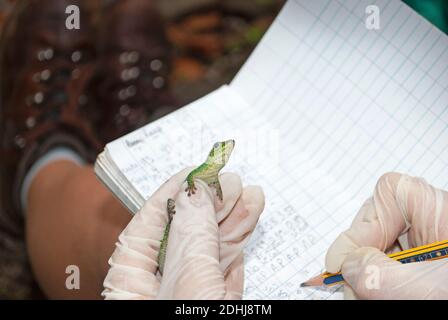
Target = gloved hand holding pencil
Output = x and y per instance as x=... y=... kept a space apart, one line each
x=401 y=206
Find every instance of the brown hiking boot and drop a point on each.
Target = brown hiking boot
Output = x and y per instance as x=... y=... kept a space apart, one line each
x=45 y=68
x=131 y=86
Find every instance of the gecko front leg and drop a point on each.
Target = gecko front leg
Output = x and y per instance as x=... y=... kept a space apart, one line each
x=209 y=170
x=191 y=187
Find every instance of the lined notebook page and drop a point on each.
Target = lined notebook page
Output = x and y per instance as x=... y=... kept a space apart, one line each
x=320 y=111
x=355 y=103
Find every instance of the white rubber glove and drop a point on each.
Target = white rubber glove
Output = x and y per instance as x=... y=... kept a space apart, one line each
x=205 y=249
x=401 y=206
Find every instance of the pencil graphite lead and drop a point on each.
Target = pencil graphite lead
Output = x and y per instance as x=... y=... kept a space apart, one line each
x=317 y=281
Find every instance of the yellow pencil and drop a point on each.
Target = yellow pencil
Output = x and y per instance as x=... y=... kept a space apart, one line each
x=429 y=252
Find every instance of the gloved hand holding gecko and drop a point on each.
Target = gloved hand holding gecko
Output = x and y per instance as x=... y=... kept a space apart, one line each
x=208 y=172
x=187 y=241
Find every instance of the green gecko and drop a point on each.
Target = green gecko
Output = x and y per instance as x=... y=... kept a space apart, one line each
x=207 y=172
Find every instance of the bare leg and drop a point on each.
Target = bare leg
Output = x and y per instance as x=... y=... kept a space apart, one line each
x=72 y=219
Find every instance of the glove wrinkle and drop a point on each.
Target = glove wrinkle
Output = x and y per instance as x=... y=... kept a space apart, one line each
x=204 y=257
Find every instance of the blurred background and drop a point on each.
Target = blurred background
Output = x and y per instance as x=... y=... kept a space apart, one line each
x=211 y=38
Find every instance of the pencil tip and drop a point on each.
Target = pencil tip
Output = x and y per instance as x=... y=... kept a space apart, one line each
x=313 y=282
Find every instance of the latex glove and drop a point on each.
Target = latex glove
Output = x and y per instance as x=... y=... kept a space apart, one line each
x=204 y=257
x=401 y=206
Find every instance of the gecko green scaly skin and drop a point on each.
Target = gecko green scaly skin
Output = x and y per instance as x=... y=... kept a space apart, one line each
x=207 y=172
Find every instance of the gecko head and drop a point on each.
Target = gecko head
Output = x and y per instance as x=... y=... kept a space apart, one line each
x=220 y=153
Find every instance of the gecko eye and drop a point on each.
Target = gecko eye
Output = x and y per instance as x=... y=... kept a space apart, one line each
x=216 y=145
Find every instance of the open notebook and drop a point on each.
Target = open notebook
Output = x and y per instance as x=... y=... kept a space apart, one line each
x=322 y=108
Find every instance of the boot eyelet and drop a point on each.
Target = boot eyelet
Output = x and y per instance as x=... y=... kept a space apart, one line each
x=49 y=54
x=129 y=57
x=130 y=74
x=124 y=75
x=45 y=54
x=124 y=58
x=131 y=91
x=125 y=110
x=38 y=98
x=76 y=56
x=45 y=75
x=19 y=141
x=156 y=65
x=30 y=122
x=158 y=82
x=41 y=55
x=133 y=57
x=122 y=95
x=134 y=72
